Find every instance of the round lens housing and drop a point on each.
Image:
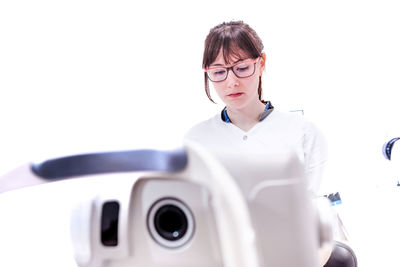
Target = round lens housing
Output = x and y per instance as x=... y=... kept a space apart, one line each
x=170 y=223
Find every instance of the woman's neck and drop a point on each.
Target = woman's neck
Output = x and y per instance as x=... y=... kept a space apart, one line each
x=246 y=118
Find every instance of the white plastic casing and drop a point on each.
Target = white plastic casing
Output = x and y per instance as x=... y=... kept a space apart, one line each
x=247 y=211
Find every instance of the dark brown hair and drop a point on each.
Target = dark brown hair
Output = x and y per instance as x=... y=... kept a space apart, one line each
x=236 y=39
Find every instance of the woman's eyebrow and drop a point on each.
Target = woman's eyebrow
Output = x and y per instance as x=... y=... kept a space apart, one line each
x=218 y=64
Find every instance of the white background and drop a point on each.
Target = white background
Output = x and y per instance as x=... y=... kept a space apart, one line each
x=85 y=76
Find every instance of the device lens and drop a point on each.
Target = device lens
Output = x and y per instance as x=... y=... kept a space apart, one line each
x=170 y=222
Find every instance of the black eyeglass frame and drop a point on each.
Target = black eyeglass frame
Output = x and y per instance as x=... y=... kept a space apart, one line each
x=231 y=68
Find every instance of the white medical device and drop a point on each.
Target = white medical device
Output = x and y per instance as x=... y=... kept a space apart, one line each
x=182 y=208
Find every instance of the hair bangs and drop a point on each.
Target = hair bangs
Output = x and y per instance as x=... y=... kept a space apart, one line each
x=232 y=51
x=233 y=43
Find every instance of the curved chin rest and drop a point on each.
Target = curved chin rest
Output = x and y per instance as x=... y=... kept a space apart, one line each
x=342 y=256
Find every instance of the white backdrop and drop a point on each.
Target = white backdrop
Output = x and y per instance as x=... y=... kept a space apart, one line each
x=85 y=76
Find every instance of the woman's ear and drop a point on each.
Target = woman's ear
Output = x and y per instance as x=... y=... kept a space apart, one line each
x=262 y=63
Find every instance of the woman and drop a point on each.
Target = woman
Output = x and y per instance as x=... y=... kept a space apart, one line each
x=234 y=62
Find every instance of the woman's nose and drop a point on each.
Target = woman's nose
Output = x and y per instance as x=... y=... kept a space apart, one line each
x=231 y=79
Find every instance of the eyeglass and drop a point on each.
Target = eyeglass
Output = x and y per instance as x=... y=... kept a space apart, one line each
x=242 y=69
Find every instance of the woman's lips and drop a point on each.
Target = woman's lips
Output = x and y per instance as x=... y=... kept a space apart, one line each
x=235 y=95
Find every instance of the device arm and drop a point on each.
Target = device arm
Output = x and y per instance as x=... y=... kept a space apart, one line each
x=91 y=164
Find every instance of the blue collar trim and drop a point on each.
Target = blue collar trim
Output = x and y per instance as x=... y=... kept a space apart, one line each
x=268 y=109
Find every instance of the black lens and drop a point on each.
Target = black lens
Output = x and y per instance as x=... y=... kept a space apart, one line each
x=170 y=222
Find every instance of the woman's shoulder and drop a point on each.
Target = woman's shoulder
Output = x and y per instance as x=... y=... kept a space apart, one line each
x=204 y=127
x=289 y=118
x=292 y=124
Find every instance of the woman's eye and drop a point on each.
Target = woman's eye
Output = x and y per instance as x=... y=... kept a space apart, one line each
x=242 y=68
x=218 y=72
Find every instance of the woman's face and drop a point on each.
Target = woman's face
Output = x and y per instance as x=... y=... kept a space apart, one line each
x=235 y=92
